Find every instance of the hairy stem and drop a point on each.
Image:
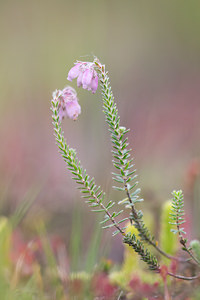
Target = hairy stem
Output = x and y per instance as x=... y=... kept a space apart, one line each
x=113 y=122
x=75 y=167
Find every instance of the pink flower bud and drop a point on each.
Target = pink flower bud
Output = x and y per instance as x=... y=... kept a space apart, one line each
x=94 y=84
x=74 y=72
x=87 y=78
x=79 y=79
x=68 y=93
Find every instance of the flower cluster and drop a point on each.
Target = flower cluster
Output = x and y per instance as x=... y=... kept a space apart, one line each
x=85 y=74
x=68 y=104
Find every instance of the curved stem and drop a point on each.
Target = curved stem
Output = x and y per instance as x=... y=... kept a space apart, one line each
x=134 y=212
x=75 y=165
x=183 y=277
x=183 y=242
x=114 y=125
x=105 y=209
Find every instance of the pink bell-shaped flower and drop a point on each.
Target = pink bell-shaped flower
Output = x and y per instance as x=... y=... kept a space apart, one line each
x=94 y=84
x=68 y=104
x=86 y=75
x=73 y=109
x=87 y=79
x=74 y=72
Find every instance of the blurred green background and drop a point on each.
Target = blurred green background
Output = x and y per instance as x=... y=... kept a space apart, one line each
x=152 y=52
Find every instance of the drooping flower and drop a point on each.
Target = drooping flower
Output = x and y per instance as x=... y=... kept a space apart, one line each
x=74 y=72
x=86 y=75
x=73 y=109
x=68 y=104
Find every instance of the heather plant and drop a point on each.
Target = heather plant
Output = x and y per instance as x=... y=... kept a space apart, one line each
x=161 y=258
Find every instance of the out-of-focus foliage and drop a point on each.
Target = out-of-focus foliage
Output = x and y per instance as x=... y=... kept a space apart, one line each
x=39 y=268
x=195 y=245
x=168 y=241
x=152 y=52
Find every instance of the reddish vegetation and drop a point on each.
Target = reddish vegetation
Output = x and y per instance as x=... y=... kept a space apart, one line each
x=140 y=289
x=102 y=286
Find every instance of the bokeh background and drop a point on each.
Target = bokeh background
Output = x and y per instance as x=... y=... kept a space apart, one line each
x=152 y=52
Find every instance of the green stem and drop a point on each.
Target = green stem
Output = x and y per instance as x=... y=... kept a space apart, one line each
x=72 y=161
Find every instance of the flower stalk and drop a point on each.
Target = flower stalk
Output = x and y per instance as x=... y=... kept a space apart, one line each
x=65 y=103
x=121 y=161
x=91 y=192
